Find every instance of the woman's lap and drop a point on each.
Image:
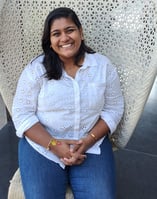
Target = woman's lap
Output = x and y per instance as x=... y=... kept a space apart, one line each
x=41 y=178
x=44 y=179
x=95 y=178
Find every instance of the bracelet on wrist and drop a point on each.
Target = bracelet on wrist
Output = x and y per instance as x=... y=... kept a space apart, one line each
x=52 y=142
x=93 y=136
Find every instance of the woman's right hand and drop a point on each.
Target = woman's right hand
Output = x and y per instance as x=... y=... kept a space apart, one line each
x=63 y=148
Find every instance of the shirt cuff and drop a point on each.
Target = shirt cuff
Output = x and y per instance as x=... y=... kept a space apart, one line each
x=110 y=123
x=25 y=126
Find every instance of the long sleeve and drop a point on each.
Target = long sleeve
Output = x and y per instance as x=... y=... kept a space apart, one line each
x=25 y=100
x=114 y=102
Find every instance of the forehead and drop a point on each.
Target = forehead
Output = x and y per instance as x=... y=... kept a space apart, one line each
x=62 y=23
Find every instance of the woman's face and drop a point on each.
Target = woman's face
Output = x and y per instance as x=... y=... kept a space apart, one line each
x=65 y=38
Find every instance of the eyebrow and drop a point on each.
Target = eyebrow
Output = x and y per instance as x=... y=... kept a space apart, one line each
x=56 y=30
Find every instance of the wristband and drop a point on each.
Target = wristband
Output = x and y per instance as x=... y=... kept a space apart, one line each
x=52 y=142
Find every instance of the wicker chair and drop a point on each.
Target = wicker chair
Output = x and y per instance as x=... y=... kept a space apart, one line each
x=125 y=31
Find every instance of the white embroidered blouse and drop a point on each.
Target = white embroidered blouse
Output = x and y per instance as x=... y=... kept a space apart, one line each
x=68 y=108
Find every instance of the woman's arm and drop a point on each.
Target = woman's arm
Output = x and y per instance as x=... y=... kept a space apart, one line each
x=96 y=133
x=39 y=135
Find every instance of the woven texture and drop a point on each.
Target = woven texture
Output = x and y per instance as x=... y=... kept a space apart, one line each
x=15 y=189
x=125 y=31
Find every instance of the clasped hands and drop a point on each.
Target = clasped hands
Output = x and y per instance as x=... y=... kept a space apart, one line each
x=72 y=152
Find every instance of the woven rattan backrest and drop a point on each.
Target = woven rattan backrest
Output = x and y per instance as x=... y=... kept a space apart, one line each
x=125 y=31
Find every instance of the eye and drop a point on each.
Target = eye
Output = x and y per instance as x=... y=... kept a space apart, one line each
x=55 y=34
x=70 y=30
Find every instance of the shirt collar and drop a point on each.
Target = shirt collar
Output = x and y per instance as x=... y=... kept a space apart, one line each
x=89 y=61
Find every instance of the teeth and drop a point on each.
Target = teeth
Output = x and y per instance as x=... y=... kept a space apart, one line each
x=65 y=46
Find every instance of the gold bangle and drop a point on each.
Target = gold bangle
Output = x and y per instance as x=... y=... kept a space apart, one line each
x=93 y=136
x=52 y=142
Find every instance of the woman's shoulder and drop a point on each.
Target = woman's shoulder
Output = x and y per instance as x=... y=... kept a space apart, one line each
x=38 y=57
x=100 y=62
x=37 y=61
x=36 y=65
x=99 y=59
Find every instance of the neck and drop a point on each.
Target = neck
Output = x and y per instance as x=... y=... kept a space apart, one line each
x=70 y=64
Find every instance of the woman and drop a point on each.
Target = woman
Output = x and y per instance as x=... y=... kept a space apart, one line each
x=67 y=102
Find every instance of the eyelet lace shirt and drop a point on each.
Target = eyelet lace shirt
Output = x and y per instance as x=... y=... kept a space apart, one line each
x=68 y=108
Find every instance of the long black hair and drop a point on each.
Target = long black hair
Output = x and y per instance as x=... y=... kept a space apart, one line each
x=52 y=62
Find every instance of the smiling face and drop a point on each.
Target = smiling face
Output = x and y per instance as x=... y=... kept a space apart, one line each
x=65 y=38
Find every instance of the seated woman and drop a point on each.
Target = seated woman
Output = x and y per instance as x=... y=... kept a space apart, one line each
x=67 y=102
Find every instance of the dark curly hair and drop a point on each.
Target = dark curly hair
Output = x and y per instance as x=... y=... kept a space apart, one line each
x=52 y=62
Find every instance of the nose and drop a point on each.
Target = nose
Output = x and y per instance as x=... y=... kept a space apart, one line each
x=64 y=37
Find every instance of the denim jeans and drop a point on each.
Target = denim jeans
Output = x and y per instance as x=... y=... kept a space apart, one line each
x=44 y=179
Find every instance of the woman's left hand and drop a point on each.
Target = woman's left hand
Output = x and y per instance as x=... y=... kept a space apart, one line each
x=76 y=159
x=78 y=152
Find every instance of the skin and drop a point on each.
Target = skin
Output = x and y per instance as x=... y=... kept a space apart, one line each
x=65 y=40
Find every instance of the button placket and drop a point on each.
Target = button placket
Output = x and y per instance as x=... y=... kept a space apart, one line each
x=77 y=106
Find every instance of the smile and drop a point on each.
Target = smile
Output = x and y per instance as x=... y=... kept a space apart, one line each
x=66 y=46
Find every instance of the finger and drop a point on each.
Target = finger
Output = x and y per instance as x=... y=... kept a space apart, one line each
x=72 y=142
x=66 y=162
x=74 y=159
x=76 y=162
x=82 y=157
x=74 y=148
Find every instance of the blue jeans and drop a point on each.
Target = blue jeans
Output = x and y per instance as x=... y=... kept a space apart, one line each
x=44 y=179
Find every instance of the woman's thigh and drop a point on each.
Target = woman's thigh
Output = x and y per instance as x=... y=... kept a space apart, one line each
x=95 y=178
x=41 y=178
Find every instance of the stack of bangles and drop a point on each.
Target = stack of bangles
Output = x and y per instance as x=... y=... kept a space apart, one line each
x=52 y=142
